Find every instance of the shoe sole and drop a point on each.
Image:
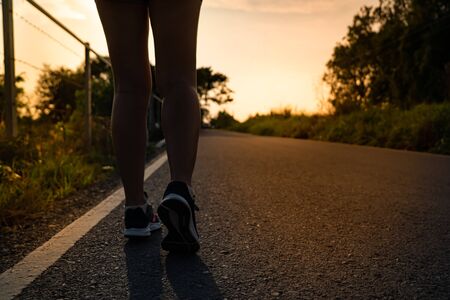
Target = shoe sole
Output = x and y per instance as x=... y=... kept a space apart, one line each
x=141 y=232
x=175 y=213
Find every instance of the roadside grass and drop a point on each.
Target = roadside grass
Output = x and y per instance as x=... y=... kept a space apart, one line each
x=426 y=127
x=25 y=192
x=47 y=162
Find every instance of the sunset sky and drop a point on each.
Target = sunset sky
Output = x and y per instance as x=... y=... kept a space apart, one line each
x=273 y=51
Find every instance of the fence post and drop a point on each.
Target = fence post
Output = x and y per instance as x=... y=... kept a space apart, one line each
x=10 y=76
x=88 y=96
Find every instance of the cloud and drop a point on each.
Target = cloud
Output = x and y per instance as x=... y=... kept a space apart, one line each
x=279 y=6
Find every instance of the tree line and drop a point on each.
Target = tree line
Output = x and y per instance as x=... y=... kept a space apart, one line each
x=394 y=54
x=60 y=91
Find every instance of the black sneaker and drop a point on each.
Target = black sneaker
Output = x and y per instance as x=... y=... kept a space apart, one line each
x=177 y=212
x=140 y=222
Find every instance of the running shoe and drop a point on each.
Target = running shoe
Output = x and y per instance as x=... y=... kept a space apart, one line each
x=140 y=221
x=177 y=212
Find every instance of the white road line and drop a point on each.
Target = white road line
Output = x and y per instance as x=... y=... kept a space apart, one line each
x=15 y=279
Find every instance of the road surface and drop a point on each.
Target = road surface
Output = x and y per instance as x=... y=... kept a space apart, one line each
x=280 y=218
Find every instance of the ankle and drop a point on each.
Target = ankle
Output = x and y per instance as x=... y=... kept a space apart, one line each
x=185 y=181
x=135 y=202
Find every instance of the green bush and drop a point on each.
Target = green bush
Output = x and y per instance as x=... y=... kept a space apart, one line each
x=426 y=127
x=47 y=162
x=31 y=190
x=223 y=121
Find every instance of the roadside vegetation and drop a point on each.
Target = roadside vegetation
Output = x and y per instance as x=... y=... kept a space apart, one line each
x=49 y=160
x=426 y=127
x=389 y=81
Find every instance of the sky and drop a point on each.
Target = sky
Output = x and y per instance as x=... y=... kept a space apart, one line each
x=273 y=51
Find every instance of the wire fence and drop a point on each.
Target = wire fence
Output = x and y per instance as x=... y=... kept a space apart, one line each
x=82 y=81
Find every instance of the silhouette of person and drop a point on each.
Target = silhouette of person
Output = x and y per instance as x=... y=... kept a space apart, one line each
x=174 y=25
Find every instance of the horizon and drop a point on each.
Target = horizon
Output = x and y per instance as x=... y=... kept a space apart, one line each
x=271 y=57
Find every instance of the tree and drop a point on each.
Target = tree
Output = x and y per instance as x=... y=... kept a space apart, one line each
x=350 y=71
x=57 y=91
x=396 y=53
x=224 y=120
x=212 y=87
x=102 y=87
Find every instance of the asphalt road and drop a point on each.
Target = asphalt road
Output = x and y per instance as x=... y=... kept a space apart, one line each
x=281 y=218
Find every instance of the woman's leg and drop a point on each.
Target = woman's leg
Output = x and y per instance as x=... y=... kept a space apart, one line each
x=174 y=25
x=126 y=27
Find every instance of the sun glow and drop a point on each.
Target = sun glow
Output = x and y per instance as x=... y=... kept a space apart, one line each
x=273 y=53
